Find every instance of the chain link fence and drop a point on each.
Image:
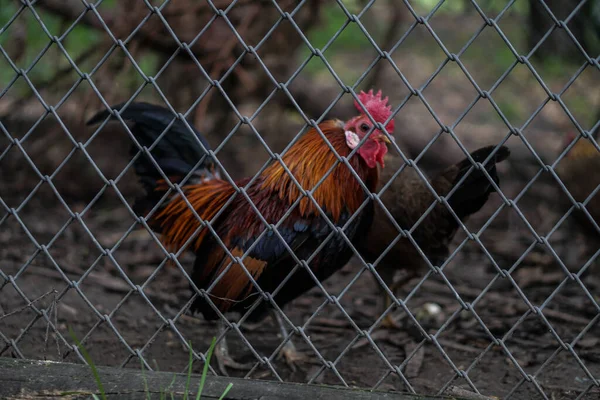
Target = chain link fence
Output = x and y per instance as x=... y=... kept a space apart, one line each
x=512 y=311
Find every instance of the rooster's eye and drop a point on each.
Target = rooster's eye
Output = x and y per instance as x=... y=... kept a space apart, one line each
x=364 y=127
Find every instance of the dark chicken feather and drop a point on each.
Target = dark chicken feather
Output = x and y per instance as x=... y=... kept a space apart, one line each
x=178 y=152
x=408 y=198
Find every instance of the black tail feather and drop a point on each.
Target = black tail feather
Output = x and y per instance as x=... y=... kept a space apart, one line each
x=178 y=152
x=474 y=192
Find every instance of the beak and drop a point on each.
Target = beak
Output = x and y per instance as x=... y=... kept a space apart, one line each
x=384 y=138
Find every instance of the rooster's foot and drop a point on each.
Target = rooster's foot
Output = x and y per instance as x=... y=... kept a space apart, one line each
x=389 y=322
x=225 y=361
x=292 y=357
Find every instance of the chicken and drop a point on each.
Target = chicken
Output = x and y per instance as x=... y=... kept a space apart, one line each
x=407 y=199
x=246 y=254
x=578 y=171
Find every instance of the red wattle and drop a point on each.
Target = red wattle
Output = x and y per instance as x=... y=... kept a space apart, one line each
x=373 y=152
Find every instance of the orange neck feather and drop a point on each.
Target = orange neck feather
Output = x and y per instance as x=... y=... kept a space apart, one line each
x=309 y=160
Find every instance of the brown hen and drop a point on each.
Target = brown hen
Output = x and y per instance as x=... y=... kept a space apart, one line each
x=407 y=199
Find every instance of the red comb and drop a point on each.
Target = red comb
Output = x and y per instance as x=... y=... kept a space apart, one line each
x=377 y=107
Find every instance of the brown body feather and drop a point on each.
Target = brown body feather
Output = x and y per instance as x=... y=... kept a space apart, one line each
x=407 y=199
x=178 y=221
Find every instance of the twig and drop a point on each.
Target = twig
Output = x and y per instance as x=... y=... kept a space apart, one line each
x=219 y=67
x=565 y=389
x=187 y=8
x=556 y=314
x=379 y=334
x=334 y=323
x=397 y=8
x=466 y=394
x=46 y=272
x=53 y=311
x=154 y=39
x=461 y=347
x=23 y=308
x=464 y=290
x=72 y=9
x=57 y=77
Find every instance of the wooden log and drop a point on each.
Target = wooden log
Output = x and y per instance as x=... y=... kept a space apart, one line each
x=28 y=379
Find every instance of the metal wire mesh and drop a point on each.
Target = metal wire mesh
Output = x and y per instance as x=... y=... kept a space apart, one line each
x=45 y=310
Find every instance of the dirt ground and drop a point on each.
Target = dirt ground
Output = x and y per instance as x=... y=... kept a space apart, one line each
x=127 y=301
x=75 y=286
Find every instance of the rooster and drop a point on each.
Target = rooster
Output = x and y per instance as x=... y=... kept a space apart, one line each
x=256 y=255
x=407 y=199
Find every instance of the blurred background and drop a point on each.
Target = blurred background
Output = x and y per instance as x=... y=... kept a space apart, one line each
x=56 y=59
x=153 y=68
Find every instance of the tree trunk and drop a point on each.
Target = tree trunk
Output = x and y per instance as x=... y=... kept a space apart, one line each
x=559 y=43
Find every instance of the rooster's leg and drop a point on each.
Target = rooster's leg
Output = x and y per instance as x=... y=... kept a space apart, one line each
x=386 y=272
x=224 y=360
x=289 y=352
x=388 y=320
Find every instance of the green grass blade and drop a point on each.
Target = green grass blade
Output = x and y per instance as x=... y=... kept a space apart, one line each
x=189 y=375
x=205 y=369
x=172 y=383
x=227 y=389
x=146 y=390
x=169 y=389
x=88 y=359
